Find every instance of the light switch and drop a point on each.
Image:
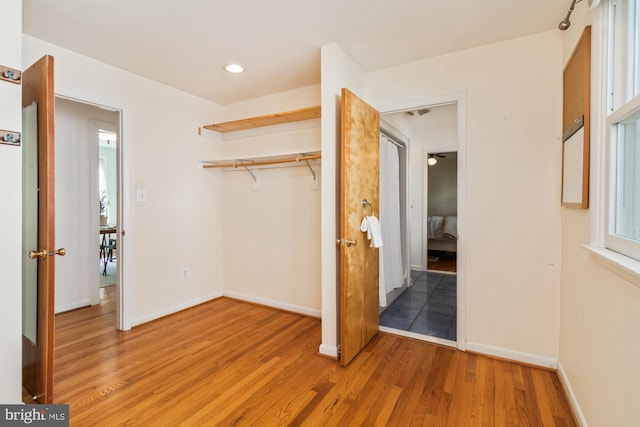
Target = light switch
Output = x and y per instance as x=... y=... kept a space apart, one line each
x=142 y=195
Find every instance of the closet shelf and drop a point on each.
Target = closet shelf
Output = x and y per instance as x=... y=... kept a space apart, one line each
x=268 y=120
x=303 y=158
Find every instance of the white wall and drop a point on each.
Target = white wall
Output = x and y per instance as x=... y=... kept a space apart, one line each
x=513 y=172
x=11 y=212
x=272 y=239
x=442 y=192
x=272 y=235
x=307 y=96
x=599 y=349
x=180 y=226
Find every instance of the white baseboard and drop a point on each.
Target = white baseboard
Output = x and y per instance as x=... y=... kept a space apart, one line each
x=418 y=267
x=175 y=308
x=275 y=304
x=328 y=350
x=517 y=356
x=573 y=401
x=72 y=306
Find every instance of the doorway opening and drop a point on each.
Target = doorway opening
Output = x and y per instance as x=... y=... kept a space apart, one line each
x=426 y=307
x=89 y=203
x=108 y=201
x=441 y=171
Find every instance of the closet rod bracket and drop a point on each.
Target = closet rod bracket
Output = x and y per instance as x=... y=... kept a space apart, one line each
x=245 y=166
x=311 y=169
x=303 y=156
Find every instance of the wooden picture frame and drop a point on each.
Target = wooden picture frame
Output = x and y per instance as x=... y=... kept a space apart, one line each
x=576 y=123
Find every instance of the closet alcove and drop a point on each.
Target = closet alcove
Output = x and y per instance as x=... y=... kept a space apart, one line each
x=269 y=171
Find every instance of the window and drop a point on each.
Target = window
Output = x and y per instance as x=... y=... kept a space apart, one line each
x=623 y=129
x=103 y=195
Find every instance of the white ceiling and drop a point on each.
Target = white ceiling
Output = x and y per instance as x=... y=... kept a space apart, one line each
x=185 y=43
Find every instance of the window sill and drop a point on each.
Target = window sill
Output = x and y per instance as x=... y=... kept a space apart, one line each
x=623 y=266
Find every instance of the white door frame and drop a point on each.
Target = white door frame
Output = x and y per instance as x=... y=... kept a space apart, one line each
x=460 y=99
x=123 y=304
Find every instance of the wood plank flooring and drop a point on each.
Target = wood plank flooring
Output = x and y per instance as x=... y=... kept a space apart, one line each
x=231 y=363
x=446 y=261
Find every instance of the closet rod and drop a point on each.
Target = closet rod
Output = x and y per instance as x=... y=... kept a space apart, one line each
x=391 y=140
x=264 y=162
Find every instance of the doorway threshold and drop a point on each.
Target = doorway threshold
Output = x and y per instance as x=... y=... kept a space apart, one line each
x=417 y=336
x=450 y=273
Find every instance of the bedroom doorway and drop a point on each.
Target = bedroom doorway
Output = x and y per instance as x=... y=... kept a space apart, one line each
x=441 y=172
x=427 y=308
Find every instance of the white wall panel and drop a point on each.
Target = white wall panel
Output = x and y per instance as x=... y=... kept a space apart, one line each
x=11 y=212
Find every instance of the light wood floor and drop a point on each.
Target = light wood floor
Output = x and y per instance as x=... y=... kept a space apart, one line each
x=232 y=363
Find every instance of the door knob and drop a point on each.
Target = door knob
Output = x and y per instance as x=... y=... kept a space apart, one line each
x=35 y=254
x=351 y=242
x=61 y=252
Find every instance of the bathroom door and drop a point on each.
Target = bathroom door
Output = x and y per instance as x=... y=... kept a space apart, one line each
x=38 y=247
x=359 y=180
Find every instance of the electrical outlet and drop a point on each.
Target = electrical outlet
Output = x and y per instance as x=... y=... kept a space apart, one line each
x=185 y=272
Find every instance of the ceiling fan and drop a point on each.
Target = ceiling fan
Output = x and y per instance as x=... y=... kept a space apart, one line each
x=433 y=158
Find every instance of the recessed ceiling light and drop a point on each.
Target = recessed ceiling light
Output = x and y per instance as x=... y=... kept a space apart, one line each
x=234 y=68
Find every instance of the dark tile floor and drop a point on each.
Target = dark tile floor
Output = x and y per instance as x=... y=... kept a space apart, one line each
x=428 y=307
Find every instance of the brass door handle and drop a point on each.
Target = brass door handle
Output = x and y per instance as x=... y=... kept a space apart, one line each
x=347 y=242
x=61 y=252
x=35 y=254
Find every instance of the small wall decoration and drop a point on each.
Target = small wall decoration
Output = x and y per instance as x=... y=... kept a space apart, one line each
x=9 y=137
x=10 y=74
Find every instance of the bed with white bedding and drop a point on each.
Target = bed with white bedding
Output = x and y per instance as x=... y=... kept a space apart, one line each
x=442 y=233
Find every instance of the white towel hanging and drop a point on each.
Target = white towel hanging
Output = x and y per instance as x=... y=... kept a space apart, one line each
x=371 y=226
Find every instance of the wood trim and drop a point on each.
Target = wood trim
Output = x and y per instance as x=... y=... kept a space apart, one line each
x=267 y=120
x=576 y=104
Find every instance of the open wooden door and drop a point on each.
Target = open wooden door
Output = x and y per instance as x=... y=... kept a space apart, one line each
x=360 y=164
x=38 y=242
